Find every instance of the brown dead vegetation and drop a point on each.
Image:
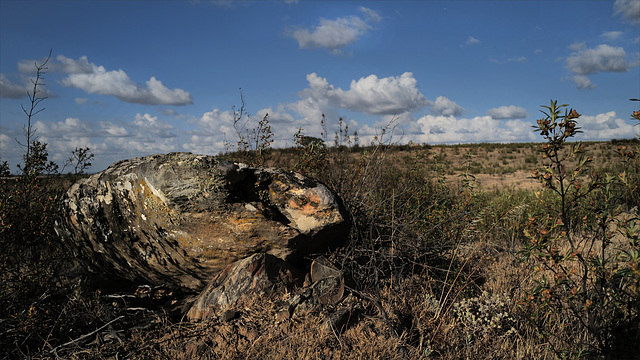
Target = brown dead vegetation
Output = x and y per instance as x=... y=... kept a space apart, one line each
x=436 y=268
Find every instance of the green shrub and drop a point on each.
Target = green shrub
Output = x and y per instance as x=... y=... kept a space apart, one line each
x=586 y=271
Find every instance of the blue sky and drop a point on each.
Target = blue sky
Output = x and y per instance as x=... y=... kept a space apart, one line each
x=132 y=78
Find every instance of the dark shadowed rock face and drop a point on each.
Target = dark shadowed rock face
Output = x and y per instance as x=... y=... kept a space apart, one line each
x=265 y=274
x=256 y=275
x=178 y=219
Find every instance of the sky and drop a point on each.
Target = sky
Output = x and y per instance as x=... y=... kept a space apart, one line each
x=134 y=78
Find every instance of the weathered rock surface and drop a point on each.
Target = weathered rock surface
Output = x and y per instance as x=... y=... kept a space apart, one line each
x=178 y=219
x=246 y=278
x=264 y=274
x=325 y=287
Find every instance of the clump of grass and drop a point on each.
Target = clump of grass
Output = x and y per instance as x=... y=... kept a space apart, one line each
x=486 y=315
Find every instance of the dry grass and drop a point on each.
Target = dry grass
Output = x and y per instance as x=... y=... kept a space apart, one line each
x=436 y=279
x=496 y=166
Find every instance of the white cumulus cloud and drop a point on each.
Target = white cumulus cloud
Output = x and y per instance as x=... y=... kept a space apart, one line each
x=583 y=82
x=206 y=144
x=5 y=145
x=450 y=129
x=110 y=141
x=519 y=59
x=370 y=15
x=62 y=137
x=216 y=129
x=63 y=65
x=217 y=122
x=381 y=96
x=629 y=9
x=603 y=58
x=605 y=126
x=10 y=90
x=444 y=106
x=611 y=35
x=151 y=126
x=145 y=134
x=278 y=116
x=507 y=112
x=96 y=79
x=370 y=95
x=471 y=40
x=70 y=127
x=578 y=46
x=109 y=129
x=335 y=34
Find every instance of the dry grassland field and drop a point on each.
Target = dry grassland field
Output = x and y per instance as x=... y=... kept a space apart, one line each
x=456 y=252
x=163 y=194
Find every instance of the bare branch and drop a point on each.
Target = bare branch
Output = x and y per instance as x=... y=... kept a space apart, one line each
x=35 y=100
x=83 y=337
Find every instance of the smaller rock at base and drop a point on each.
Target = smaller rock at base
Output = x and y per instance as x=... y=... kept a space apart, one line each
x=246 y=278
x=328 y=281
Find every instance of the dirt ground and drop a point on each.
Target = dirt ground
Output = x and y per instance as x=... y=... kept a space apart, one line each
x=516 y=180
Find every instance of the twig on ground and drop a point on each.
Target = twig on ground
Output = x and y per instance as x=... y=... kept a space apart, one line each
x=378 y=305
x=55 y=350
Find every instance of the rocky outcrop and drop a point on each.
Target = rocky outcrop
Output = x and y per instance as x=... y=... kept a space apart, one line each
x=179 y=219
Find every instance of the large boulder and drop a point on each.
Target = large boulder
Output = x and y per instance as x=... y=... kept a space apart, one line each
x=178 y=219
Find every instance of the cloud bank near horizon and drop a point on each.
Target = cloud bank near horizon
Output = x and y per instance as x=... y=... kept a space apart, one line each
x=394 y=99
x=408 y=96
